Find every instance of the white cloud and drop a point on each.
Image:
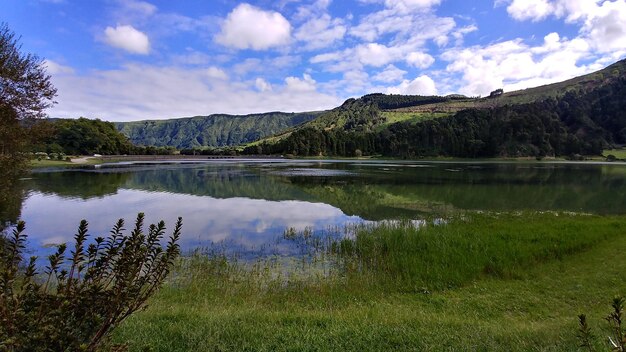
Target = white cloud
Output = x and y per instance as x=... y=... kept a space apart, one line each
x=308 y=11
x=530 y=9
x=262 y=85
x=390 y=74
x=514 y=65
x=304 y=84
x=216 y=73
x=406 y=5
x=127 y=38
x=54 y=68
x=278 y=65
x=248 y=27
x=422 y=85
x=374 y=54
x=420 y=60
x=321 y=32
x=136 y=92
x=136 y=8
x=606 y=27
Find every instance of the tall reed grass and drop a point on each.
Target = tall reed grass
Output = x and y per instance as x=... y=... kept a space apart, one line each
x=405 y=256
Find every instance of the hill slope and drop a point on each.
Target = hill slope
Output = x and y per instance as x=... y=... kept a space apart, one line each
x=579 y=116
x=212 y=130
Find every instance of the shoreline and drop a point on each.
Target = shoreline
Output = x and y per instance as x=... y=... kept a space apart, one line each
x=85 y=161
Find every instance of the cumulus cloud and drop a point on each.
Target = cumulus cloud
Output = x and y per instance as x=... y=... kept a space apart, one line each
x=304 y=84
x=530 y=9
x=420 y=60
x=422 y=85
x=137 y=92
x=262 y=85
x=248 y=27
x=127 y=38
x=515 y=65
x=606 y=26
x=390 y=74
x=374 y=54
x=216 y=73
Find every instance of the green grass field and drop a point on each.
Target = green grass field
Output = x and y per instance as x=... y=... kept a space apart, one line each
x=412 y=117
x=619 y=153
x=508 y=282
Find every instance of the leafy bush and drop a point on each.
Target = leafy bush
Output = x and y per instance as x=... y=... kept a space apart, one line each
x=617 y=336
x=77 y=300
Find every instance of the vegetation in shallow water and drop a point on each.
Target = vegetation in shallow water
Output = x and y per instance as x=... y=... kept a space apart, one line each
x=561 y=265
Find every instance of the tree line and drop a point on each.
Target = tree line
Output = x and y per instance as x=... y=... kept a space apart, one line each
x=87 y=137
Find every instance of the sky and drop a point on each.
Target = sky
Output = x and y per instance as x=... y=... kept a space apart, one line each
x=125 y=60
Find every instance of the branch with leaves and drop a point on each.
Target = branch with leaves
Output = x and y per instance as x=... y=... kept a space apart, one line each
x=76 y=301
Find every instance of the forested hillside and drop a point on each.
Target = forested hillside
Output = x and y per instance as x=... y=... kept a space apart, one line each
x=86 y=137
x=583 y=117
x=211 y=131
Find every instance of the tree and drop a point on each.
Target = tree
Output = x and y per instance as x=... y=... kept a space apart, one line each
x=25 y=87
x=25 y=93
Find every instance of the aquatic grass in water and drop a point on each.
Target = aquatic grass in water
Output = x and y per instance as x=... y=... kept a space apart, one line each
x=406 y=256
x=523 y=279
x=438 y=256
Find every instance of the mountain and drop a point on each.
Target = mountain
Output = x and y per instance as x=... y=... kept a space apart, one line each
x=212 y=130
x=579 y=116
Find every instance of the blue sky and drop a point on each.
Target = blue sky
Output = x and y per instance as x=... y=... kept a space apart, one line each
x=130 y=60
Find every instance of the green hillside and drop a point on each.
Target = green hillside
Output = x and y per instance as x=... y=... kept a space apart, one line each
x=211 y=131
x=577 y=85
x=582 y=116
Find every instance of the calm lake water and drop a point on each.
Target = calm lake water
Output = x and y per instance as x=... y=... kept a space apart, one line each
x=246 y=205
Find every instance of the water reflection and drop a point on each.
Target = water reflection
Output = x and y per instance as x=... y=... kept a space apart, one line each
x=248 y=204
x=242 y=222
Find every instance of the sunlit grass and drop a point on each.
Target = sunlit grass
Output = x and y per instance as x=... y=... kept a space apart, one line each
x=412 y=117
x=510 y=282
x=618 y=153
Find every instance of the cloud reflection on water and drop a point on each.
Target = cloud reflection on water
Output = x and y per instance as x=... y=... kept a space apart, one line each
x=246 y=223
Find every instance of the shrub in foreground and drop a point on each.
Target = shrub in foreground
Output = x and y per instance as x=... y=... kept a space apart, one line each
x=617 y=333
x=78 y=299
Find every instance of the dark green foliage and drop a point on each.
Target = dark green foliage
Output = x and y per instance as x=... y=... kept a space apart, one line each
x=77 y=300
x=584 y=333
x=25 y=87
x=496 y=93
x=616 y=339
x=86 y=137
x=360 y=115
x=389 y=102
x=25 y=92
x=210 y=151
x=211 y=131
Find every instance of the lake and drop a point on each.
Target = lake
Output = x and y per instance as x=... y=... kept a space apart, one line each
x=247 y=205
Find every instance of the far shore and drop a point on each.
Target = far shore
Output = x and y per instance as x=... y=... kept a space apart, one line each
x=79 y=161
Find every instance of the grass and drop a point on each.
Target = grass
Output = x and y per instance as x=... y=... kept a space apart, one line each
x=34 y=163
x=618 y=153
x=412 y=117
x=512 y=282
x=49 y=163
